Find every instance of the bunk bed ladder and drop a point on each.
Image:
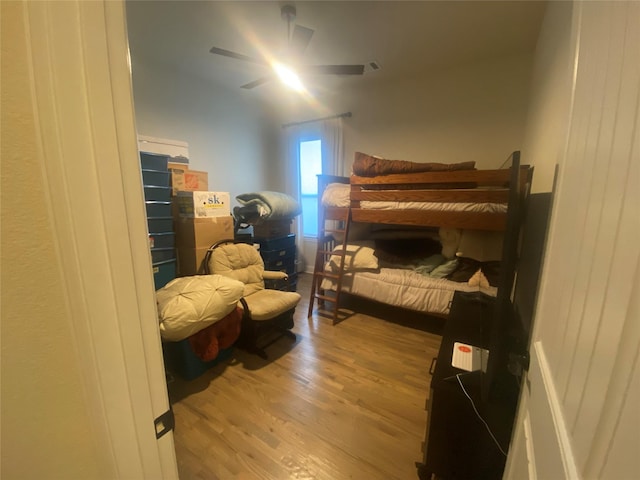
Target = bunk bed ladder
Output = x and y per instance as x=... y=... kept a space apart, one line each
x=325 y=250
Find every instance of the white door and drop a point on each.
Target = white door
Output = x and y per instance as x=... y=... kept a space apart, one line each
x=579 y=414
x=78 y=53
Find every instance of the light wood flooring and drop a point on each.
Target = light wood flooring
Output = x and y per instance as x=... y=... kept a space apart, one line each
x=341 y=402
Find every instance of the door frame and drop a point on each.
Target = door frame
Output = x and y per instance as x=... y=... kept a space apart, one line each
x=578 y=405
x=86 y=135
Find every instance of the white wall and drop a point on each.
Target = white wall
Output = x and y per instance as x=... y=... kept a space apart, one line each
x=47 y=426
x=472 y=112
x=229 y=135
x=550 y=96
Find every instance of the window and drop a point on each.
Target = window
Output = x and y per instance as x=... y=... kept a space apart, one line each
x=310 y=168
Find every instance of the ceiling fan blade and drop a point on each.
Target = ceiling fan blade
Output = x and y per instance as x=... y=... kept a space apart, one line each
x=332 y=69
x=237 y=56
x=300 y=40
x=257 y=82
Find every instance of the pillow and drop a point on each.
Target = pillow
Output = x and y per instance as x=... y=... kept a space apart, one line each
x=187 y=305
x=450 y=239
x=359 y=256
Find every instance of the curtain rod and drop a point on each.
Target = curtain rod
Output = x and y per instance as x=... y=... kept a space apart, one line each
x=340 y=115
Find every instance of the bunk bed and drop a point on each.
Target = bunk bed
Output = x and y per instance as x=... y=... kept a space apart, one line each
x=415 y=204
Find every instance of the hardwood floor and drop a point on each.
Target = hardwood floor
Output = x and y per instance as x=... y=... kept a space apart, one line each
x=341 y=402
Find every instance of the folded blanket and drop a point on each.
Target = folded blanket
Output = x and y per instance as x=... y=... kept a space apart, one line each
x=265 y=205
x=370 y=166
x=251 y=214
x=468 y=267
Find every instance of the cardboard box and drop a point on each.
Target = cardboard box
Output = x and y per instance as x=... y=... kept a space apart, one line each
x=198 y=204
x=190 y=261
x=183 y=179
x=194 y=233
x=194 y=236
x=176 y=179
x=195 y=180
x=178 y=165
x=272 y=229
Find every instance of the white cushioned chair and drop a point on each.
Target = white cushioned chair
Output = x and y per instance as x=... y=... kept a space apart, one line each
x=264 y=310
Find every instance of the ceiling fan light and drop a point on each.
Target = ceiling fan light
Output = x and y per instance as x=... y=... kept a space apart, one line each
x=288 y=77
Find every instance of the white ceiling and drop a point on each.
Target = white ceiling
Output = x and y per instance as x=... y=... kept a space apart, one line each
x=405 y=38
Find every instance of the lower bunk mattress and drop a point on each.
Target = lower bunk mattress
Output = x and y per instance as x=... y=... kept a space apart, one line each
x=404 y=288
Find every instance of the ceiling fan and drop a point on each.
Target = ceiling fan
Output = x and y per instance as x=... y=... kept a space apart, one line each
x=298 y=40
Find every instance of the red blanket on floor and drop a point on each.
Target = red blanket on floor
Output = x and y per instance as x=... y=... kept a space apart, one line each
x=208 y=342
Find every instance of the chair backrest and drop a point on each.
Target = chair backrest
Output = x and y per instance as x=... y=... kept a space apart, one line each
x=239 y=261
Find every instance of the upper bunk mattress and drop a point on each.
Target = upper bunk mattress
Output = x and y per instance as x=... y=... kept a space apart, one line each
x=338 y=195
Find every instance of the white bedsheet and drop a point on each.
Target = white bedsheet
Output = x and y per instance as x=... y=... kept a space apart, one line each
x=404 y=288
x=338 y=195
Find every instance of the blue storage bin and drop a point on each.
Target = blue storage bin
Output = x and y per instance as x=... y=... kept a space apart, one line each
x=152 y=192
x=180 y=359
x=155 y=177
x=154 y=161
x=162 y=240
x=277 y=243
x=275 y=255
x=157 y=208
x=286 y=264
x=159 y=255
x=160 y=224
x=164 y=272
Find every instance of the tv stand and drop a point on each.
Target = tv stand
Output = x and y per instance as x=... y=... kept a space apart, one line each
x=457 y=444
